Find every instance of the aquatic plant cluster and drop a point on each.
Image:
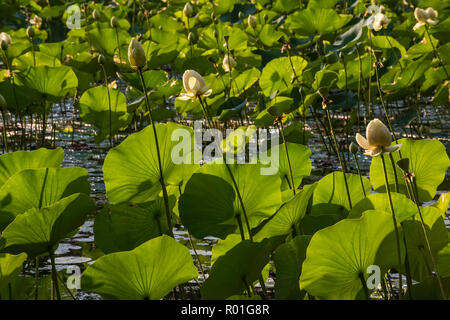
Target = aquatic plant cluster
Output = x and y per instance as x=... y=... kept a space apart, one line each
x=144 y=73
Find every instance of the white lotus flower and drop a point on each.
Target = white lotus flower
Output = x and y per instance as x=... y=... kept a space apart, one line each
x=380 y=21
x=378 y=140
x=228 y=63
x=136 y=54
x=423 y=17
x=194 y=85
x=5 y=37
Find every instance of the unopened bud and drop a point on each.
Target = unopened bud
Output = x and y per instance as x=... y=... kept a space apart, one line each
x=101 y=59
x=96 y=14
x=188 y=10
x=114 y=22
x=353 y=148
x=252 y=21
x=30 y=32
x=191 y=37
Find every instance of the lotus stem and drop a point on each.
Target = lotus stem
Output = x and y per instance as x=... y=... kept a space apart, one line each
x=391 y=158
x=205 y=113
x=436 y=54
x=360 y=175
x=118 y=45
x=425 y=233
x=163 y=185
x=109 y=104
x=55 y=287
x=281 y=129
x=343 y=166
x=394 y=220
x=370 y=76
x=407 y=268
x=5 y=136
x=364 y=285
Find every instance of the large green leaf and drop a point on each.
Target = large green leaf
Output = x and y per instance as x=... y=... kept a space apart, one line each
x=418 y=254
x=38 y=230
x=287 y=219
x=339 y=255
x=288 y=260
x=331 y=193
x=315 y=20
x=53 y=83
x=277 y=75
x=104 y=39
x=125 y=226
x=148 y=272
x=233 y=272
x=428 y=160
x=131 y=170
x=404 y=208
x=94 y=109
x=259 y=202
x=12 y=163
x=37 y=188
x=300 y=164
x=10 y=266
x=215 y=216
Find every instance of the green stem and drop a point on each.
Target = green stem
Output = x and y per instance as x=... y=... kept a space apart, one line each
x=364 y=285
x=163 y=186
x=344 y=169
x=54 y=277
x=394 y=220
x=281 y=129
x=109 y=104
x=360 y=175
x=118 y=44
x=436 y=54
x=425 y=233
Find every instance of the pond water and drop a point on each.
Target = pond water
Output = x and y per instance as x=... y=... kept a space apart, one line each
x=80 y=250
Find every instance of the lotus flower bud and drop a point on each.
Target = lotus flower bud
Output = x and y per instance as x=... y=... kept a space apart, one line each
x=228 y=63
x=114 y=22
x=191 y=37
x=252 y=21
x=96 y=14
x=353 y=148
x=136 y=54
x=378 y=140
x=6 y=38
x=188 y=10
x=241 y=15
x=101 y=59
x=194 y=85
x=3 y=103
x=30 y=32
x=4 y=45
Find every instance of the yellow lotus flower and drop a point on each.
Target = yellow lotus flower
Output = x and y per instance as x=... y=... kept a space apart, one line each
x=136 y=54
x=228 y=63
x=194 y=85
x=423 y=17
x=380 y=21
x=5 y=37
x=378 y=140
